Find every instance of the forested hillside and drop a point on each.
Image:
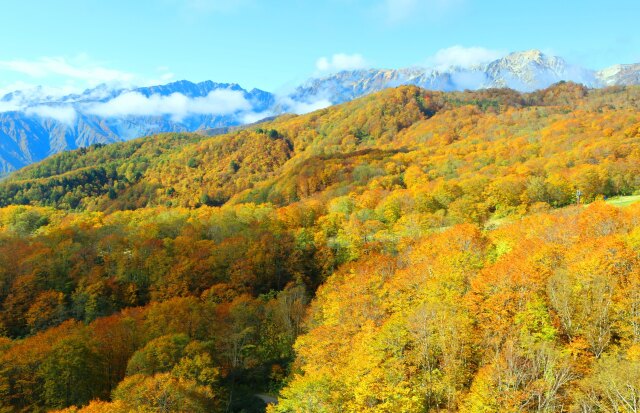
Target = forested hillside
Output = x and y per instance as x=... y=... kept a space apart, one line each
x=517 y=149
x=537 y=316
x=422 y=250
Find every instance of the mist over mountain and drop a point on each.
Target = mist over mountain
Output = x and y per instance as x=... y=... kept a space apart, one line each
x=35 y=124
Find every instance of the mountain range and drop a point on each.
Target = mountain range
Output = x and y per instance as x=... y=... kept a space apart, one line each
x=35 y=125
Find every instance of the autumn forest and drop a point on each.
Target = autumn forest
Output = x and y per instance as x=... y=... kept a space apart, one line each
x=408 y=251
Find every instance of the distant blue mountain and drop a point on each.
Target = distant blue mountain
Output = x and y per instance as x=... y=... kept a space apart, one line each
x=31 y=134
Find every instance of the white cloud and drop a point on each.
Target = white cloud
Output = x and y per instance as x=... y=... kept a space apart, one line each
x=20 y=103
x=79 y=68
x=468 y=79
x=285 y=104
x=253 y=117
x=9 y=106
x=64 y=114
x=306 y=107
x=70 y=75
x=299 y=107
x=461 y=56
x=177 y=105
x=396 y=11
x=341 y=61
x=25 y=93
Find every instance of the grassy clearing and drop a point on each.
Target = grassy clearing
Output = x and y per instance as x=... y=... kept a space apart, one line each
x=624 y=201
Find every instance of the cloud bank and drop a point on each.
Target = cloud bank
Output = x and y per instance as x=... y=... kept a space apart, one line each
x=9 y=106
x=66 y=76
x=32 y=101
x=64 y=114
x=79 y=68
x=176 y=105
x=300 y=108
x=285 y=104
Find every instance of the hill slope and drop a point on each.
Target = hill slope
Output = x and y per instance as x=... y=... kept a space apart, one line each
x=451 y=138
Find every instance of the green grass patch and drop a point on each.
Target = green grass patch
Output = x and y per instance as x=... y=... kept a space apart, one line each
x=624 y=201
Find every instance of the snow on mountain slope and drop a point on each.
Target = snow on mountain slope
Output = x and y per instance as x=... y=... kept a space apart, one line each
x=620 y=75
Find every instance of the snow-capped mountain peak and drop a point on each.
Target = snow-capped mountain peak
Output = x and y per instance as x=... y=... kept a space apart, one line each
x=623 y=75
x=532 y=69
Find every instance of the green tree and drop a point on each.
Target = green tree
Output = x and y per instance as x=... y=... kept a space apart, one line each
x=71 y=372
x=159 y=355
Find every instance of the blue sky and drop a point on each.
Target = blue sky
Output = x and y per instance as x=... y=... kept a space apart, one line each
x=73 y=44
